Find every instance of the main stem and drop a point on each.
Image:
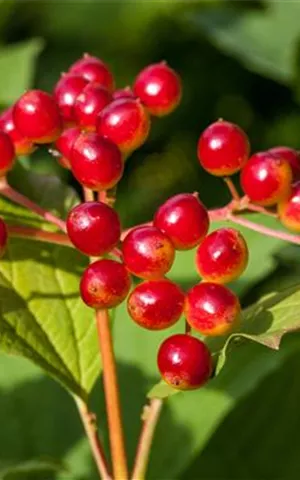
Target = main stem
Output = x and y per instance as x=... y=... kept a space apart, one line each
x=111 y=390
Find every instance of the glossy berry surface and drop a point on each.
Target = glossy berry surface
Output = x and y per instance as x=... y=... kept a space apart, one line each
x=104 y=284
x=23 y=146
x=64 y=145
x=94 y=70
x=159 y=88
x=3 y=237
x=222 y=256
x=290 y=155
x=66 y=91
x=212 y=309
x=156 y=304
x=223 y=148
x=94 y=228
x=125 y=122
x=289 y=209
x=184 y=219
x=96 y=162
x=125 y=92
x=7 y=154
x=148 y=253
x=266 y=178
x=184 y=362
x=89 y=104
x=37 y=117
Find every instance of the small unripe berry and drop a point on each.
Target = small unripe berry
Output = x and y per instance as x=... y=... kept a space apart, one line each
x=223 y=148
x=222 y=256
x=212 y=309
x=7 y=154
x=290 y=155
x=89 y=104
x=184 y=362
x=94 y=228
x=148 y=253
x=37 y=117
x=3 y=237
x=66 y=91
x=266 y=178
x=64 y=145
x=94 y=70
x=184 y=219
x=104 y=284
x=96 y=162
x=125 y=122
x=156 y=304
x=159 y=88
x=23 y=146
x=289 y=209
x=123 y=93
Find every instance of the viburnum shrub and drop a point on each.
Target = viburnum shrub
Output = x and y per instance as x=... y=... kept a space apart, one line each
x=92 y=128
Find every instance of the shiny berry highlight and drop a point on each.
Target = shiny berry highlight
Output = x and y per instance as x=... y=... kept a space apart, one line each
x=89 y=104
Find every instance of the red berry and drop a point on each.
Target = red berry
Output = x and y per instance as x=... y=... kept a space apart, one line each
x=64 y=145
x=104 y=284
x=36 y=116
x=222 y=256
x=23 y=146
x=94 y=70
x=212 y=309
x=7 y=154
x=266 y=178
x=89 y=104
x=223 y=148
x=96 y=162
x=156 y=304
x=125 y=122
x=159 y=88
x=290 y=155
x=3 y=237
x=184 y=219
x=94 y=228
x=289 y=209
x=123 y=93
x=66 y=91
x=184 y=362
x=148 y=253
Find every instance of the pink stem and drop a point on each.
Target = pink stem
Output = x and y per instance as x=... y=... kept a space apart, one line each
x=39 y=235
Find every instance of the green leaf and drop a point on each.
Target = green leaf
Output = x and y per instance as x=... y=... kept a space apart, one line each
x=162 y=390
x=252 y=36
x=23 y=470
x=17 y=62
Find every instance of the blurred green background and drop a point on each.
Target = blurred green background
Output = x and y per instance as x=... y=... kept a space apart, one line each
x=239 y=61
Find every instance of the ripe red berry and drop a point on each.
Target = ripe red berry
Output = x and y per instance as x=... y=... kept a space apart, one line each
x=94 y=228
x=290 y=155
x=125 y=122
x=94 y=70
x=223 y=148
x=159 y=88
x=184 y=219
x=212 y=309
x=66 y=91
x=222 y=256
x=156 y=304
x=289 y=209
x=89 y=104
x=23 y=146
x=64 y=145
x=7 y=154
x=123 y=93
x=148 y=253
x=96 y=162
x=184 y=362
x=36 y=116
x=104 y=284
x=3 y=237
x=266 y=178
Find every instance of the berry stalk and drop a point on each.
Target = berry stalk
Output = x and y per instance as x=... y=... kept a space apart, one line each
x=231 y=187
x=39 y=235
x=111 y=390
